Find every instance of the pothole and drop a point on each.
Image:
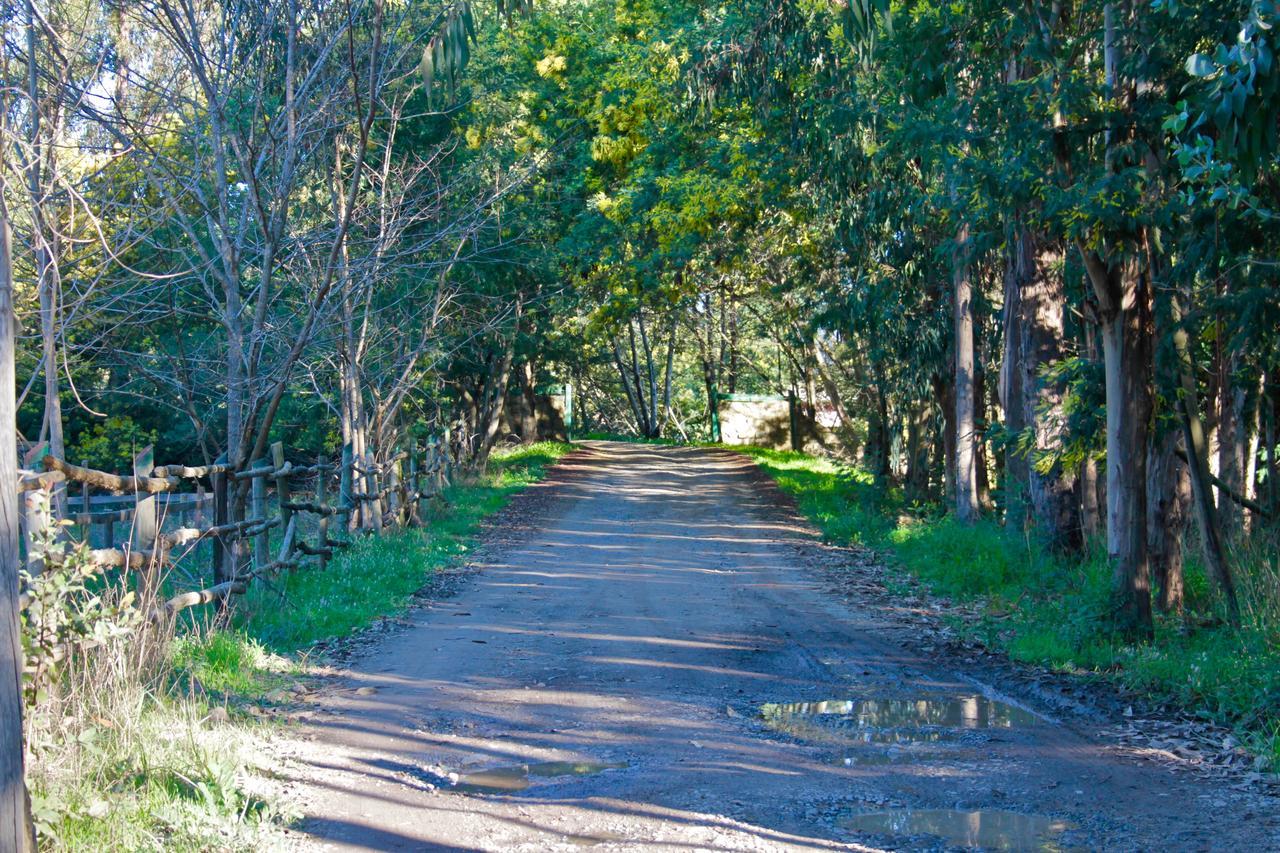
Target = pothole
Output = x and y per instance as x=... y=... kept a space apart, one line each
x=879 y=757
x=518 y=777
x=985 y=829
x=900 y=724
x=963 y=712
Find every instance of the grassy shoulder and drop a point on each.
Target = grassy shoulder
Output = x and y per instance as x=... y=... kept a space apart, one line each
x=378 y=576
x=166 y=748
x=1046 y=610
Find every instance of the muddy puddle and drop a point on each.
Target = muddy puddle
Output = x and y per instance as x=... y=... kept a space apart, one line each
x=899 y=724
x=963 y=712
x=879 y=757
x=987 y=830
x=518 y=777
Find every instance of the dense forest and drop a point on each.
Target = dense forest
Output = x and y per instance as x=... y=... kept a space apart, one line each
x=1019 y=257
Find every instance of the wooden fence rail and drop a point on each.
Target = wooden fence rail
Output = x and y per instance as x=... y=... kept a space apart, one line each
x=236 y=510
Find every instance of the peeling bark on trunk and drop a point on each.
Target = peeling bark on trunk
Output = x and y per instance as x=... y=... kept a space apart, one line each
x=966 y=494
x=1198 y=457
x=1268 y=402
x=1168 y=511
x=1041 y=330
x=1231 y=438
x=878 y=434
x=668 y=414
x=1252 y=444
x=1016 y=470
x=980 y=439
x=917 y=452
x=492 y=405
x=1092 y=499
x=1124 y=305
x=944 y=392
x=529 y=416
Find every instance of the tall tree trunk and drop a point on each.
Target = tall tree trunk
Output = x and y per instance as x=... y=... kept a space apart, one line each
x=1091 y=500
x=652 y=375
x=917 y=452
x=1168 y=511
x=878 y=433
x=529 y=417
x=1251 y=453
x=944 y=393
x=1124 y=307
x=668 y=414
x=493 y=405
x=1041 y=330
x=1269 y=401
x=1090 y=517
x=966 y=495
x=731 y=302
x=980 y=462
x=644 y=408
x=1231 y=435
x=624 y=375
x=1016 y=469
x=1198 y=461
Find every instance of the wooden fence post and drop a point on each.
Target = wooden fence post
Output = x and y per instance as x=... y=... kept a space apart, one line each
x=223 y=568
x=323 y=537
x=395 y=507
x=17 y=831
x=258 y=499
x=282 y=484
x=432 y=471
x=371 y=487
x=146 y=528
x=446 y=464
x=197 y=515
x=87 y=530
x=35 y=515
x=345 y=477
x=414 y=490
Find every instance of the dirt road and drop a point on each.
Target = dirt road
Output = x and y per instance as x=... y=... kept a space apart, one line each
x=657 y=663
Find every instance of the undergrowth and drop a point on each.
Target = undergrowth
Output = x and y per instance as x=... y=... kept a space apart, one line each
x=1047 y=610
x=153 y=741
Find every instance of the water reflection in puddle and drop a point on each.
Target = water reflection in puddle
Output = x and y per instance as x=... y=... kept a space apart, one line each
x=517 y=777
x=896 y=723
x=966 y=712
x=877 y=757
x=989 y=830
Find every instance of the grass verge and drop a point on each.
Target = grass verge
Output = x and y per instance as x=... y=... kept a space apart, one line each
x=163 y=746
x=379 y=575
x=1043 y=609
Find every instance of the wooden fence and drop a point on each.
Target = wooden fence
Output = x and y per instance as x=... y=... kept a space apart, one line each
x=169 y=521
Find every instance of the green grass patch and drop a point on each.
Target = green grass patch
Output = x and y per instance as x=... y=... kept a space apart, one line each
x=1055 y=612
x=227 y=663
